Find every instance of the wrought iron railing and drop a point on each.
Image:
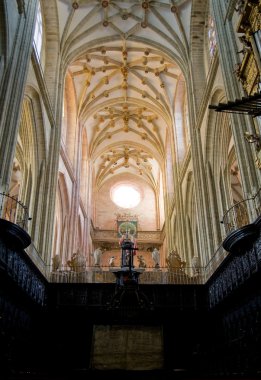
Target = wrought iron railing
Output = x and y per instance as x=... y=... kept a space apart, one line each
x=242 y=213
x=104 y=274
x=13 y=210
x=149 y=275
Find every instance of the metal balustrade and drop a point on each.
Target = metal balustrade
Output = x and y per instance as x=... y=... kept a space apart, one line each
x=150 y=275
x=242 y=213
x=13 y=210
x=104 y=274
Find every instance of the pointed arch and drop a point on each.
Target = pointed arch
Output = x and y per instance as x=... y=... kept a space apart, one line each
x=221 y=164
x=30 y=156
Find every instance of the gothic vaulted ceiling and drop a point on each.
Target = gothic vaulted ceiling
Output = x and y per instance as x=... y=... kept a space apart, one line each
x=127 y=61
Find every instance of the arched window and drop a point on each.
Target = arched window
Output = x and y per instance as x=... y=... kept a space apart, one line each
x=38 y=32
x=212 y=42
x=125 y=196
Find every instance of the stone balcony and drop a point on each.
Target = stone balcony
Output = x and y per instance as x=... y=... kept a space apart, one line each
x=111 y=236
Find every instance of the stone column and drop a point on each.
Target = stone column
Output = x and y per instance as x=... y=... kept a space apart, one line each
x=179 y=241
x=201 y=196
x=89 y=203
x=227 y=48
x=13 y=85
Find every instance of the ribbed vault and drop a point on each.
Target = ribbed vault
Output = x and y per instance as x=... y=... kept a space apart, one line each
x=127 y=60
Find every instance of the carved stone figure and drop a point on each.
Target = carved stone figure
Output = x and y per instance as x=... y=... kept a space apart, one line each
x=56 y=262
x=16 y=174
x=77 y=262
x=156 y=257
x=141 y=261
x=195 y=265
x=111 y=261
x=97 y=254
x=240 y=5
x=174 y=262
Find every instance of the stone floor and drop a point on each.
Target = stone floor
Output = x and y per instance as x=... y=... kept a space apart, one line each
x=118 y=375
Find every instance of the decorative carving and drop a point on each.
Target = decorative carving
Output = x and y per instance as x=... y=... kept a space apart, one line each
x=97 y=254
x=240 y=5
x=16 y=174
x=250 y=22
x=111 y=261
x=141 y=261
x=56 y=262
x=75 y=5
x=156 y=257
x=108 y=239
x=126 y=216
x=125 y=156
x=77 y=262
x=256 y=140
x=195 y=266
x=174 y=262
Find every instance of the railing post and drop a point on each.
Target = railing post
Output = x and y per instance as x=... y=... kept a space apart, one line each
x=1 y=204
x=257 y=203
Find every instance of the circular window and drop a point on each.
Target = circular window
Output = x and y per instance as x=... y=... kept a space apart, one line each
x=125 y=196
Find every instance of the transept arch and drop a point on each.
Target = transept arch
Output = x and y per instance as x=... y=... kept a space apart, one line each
x=29 y=158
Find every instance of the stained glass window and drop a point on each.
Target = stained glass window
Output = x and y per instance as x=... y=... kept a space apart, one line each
x=125 y=196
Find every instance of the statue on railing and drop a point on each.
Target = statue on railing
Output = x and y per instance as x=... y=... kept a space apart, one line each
x=156 y=257
x=141 y=261
x=97 y=254
x=174 y=262
x=77 y=262
x=56 y=263
x=111 y=261
x=195 y=265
